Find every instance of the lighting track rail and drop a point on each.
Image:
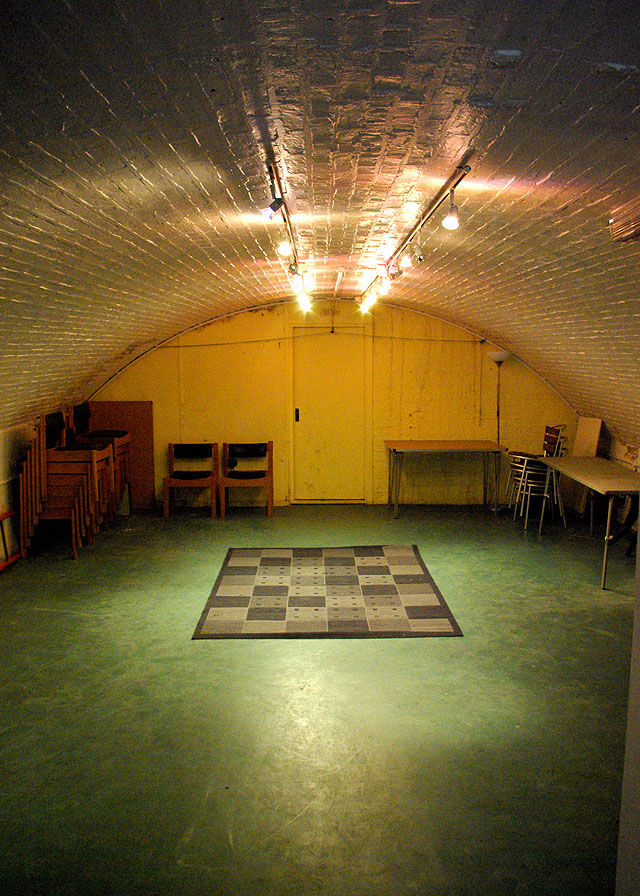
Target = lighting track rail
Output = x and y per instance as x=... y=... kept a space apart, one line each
x=276 y=185
x=443 y=193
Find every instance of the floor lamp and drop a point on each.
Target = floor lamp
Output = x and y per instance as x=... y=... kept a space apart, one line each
x=498 y=357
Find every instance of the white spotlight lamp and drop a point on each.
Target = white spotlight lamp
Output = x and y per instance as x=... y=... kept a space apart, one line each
x=384 y=286
x=450 y=220
x=284 y=249
x=368 y=301
x=297 y=283
x=304 y=301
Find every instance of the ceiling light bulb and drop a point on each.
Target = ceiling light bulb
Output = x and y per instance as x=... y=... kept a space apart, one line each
x=384 y=286
x=304 y=301
x=368 y=301
x=297 y=283
x=450 y=220
x=405 y=261
x=284 y=249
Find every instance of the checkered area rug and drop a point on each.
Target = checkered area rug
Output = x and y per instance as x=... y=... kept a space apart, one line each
x=375 y=591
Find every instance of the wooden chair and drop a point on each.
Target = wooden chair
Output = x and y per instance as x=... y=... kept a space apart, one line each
x=239 y=470
x=185 y=453
x=100 y=463
x=81 y=434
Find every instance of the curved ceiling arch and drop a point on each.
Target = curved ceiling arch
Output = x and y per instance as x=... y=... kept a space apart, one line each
x=133 y=148
x=480 y=337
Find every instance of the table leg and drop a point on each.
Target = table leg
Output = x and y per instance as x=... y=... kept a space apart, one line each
x=391 y=462
x=484 y=478
x=558 y=491
x=544 y=499
x=398 y=473
x=607 y=539
x=496 y=480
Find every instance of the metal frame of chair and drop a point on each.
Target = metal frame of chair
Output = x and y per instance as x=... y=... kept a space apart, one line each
x=528 y=476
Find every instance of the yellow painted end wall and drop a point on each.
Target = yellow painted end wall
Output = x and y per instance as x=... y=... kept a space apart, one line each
x=426 y=379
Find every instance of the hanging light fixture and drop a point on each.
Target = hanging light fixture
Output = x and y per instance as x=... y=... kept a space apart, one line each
x=368 y=301
x=284 y=249
x=299 y=288
x=450 y=220
x=304 y=301
x=393 y=265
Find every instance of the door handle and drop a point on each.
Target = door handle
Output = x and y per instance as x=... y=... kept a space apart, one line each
x=297 y=415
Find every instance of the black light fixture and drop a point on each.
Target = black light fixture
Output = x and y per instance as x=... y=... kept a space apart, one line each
x=277 y=202
x=273 y=207
x=287 y=247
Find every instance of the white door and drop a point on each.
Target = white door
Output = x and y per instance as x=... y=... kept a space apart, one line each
x=329 y=414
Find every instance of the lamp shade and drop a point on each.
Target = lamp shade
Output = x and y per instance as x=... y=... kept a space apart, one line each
x=498 y=356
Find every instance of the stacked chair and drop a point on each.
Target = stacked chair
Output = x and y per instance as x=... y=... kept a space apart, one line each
x=80 y=435
x=44 y=498
x=528 y=475
x=70 y=477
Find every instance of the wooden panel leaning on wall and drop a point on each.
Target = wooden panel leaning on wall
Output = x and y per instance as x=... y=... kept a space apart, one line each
x=137 y=418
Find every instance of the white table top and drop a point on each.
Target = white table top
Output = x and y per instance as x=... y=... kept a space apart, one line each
x=599 y=474
x=458 y=445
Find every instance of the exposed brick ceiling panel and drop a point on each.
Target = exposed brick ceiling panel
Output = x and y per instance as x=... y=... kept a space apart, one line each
x=133 y=146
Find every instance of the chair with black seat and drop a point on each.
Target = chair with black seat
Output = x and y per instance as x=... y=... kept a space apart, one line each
x=240 y=462
x=182 y=474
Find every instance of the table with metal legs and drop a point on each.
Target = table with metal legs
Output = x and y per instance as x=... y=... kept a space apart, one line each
x=398 y=449
x=599 y=475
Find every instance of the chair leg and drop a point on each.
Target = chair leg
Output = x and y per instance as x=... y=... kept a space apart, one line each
x=214 y=501
x=223 y=501
x=270 y=499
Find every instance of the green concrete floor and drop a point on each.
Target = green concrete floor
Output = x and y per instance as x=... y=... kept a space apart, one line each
x=137 y=761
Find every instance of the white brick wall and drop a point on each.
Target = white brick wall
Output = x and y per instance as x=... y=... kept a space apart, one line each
x=132 y=145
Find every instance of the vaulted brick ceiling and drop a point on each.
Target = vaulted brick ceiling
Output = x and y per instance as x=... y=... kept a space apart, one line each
x=133 y=146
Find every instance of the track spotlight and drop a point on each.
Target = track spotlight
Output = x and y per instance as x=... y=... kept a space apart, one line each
x=273 y=207
x=418 y=253
x=297 y=283
x=368 y=301
x=406 y=261
x=304 y=301
x=450 y=220
x=384 y=286
x=284 y=249
x=393 y=270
